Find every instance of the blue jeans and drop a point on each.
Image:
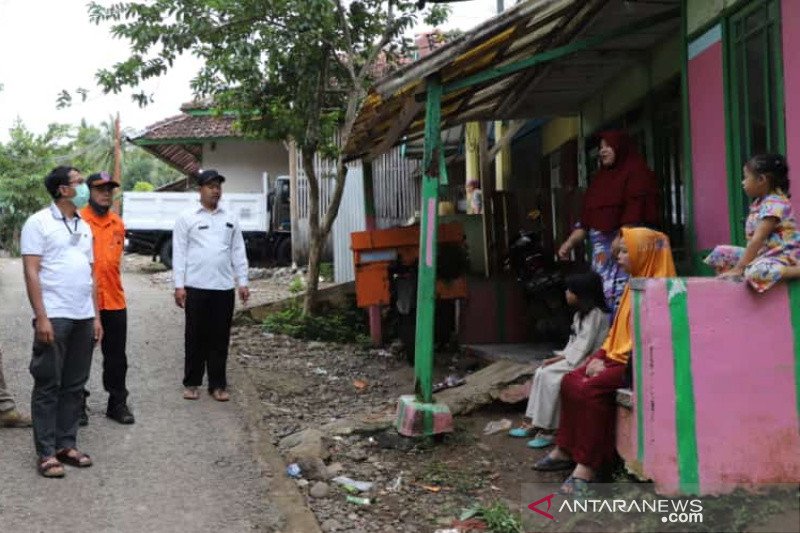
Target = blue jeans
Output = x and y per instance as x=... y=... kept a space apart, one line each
x=60 y=371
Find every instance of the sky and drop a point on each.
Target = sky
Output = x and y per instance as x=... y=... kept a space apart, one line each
x=50 y=45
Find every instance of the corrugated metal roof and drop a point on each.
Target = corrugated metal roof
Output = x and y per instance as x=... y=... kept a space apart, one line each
x=394 y=108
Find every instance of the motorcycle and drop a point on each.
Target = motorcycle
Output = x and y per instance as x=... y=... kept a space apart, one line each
x=543 y=286
x=403 y=290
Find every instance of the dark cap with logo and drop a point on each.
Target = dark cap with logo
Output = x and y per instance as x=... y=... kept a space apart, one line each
x=209 y=175
x=101 y=179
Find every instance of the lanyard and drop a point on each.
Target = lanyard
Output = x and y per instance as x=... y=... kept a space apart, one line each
x=71 y=231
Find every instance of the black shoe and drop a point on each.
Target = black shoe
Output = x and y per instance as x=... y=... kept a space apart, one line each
x=120 y=413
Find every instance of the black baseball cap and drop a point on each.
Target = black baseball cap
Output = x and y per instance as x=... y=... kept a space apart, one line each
x=100 y=179
x=209 y=175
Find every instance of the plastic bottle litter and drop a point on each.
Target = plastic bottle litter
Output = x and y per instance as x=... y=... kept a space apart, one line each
x=449 y=382
x=293 y=470
x=351 y=485
x=359 y=501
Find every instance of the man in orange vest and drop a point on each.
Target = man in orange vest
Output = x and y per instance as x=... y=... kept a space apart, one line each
x=109 y=242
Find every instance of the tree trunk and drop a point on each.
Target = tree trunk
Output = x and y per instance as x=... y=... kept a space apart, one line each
x=312 y=281
x=318 y=233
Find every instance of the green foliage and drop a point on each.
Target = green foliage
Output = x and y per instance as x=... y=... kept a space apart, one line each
x=326 y=271
x=337 y=325
x=20 y=197
x=498 y=517
x=289 y=69
x=297 y=285
x=27 y=157
x=92 y=150
x=143 y=186
x=24 y=161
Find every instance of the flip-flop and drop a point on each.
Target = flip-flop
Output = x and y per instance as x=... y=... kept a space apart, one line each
x=190 y=393
x=548 y=464
x=519 y=433
x=574 y=486
x=541 y=441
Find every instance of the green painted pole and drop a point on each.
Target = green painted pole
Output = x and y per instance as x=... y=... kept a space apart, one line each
x=426 y=282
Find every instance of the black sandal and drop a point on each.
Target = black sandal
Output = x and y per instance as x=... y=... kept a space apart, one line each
x=79 y=460
x=574 y=486
x=548 y=464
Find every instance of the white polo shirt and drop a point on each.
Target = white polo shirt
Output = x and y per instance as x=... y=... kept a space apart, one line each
x=65 y=246
x=208 y=250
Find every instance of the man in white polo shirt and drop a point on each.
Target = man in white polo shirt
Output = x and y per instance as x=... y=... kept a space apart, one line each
x=57 y=258
x=208 y=262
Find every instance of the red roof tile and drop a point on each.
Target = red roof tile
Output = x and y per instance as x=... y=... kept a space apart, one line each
x=185 y=126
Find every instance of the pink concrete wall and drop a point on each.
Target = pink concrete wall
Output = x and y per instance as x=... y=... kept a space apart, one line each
x=790 y=23
x=742 y=365
x=709 y=176
x=660 y=461
x=745 y=397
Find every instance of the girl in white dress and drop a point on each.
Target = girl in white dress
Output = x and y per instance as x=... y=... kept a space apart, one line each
x=589 y=330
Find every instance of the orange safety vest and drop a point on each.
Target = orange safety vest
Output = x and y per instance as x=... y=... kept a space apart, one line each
x=109 y=242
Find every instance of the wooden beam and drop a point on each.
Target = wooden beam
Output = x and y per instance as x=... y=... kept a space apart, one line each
x=513 y=129
x=558 y=52
x=404 y=120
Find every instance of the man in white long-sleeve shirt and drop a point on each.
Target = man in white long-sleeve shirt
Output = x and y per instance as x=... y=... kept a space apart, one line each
x=209 y=262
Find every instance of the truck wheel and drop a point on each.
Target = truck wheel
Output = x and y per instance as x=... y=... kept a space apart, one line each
x=166 y=253
x=283 y=252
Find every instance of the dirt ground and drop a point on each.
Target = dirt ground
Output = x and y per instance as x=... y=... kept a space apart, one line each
x=419 y=487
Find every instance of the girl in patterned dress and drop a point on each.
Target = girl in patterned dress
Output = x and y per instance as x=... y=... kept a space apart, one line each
x=773 y=241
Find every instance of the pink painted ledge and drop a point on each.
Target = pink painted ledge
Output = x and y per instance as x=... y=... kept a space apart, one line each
x=743 y=394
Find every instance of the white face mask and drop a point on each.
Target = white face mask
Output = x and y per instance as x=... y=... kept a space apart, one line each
x=81 y=197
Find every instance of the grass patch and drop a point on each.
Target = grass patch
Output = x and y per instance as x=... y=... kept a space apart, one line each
x=441 y=474
x=497 y=516
x=344 y=326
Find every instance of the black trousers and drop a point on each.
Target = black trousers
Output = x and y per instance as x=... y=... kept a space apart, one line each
x=60 y=371
x=115 y=361
x=208 y=332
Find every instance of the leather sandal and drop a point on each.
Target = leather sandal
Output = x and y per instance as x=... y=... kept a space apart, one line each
x=72 y=457
x=221 y=395
x=50 y=467
x=190 y=393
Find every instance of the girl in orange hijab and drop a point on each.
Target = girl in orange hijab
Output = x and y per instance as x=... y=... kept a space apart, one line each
x=586 y=435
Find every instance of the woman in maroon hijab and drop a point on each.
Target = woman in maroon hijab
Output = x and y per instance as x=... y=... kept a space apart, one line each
x=624 y=192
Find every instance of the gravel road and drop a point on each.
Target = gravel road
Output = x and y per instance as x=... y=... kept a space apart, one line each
x=184 y=466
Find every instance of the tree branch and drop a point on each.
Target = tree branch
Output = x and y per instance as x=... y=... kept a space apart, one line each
x=348 y=41
x=385 y=39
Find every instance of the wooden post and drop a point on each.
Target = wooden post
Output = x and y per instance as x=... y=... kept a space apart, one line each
x=375 y=326
x=117 y=161
x=472 y=158
x=426 y=283
x=485 y=161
